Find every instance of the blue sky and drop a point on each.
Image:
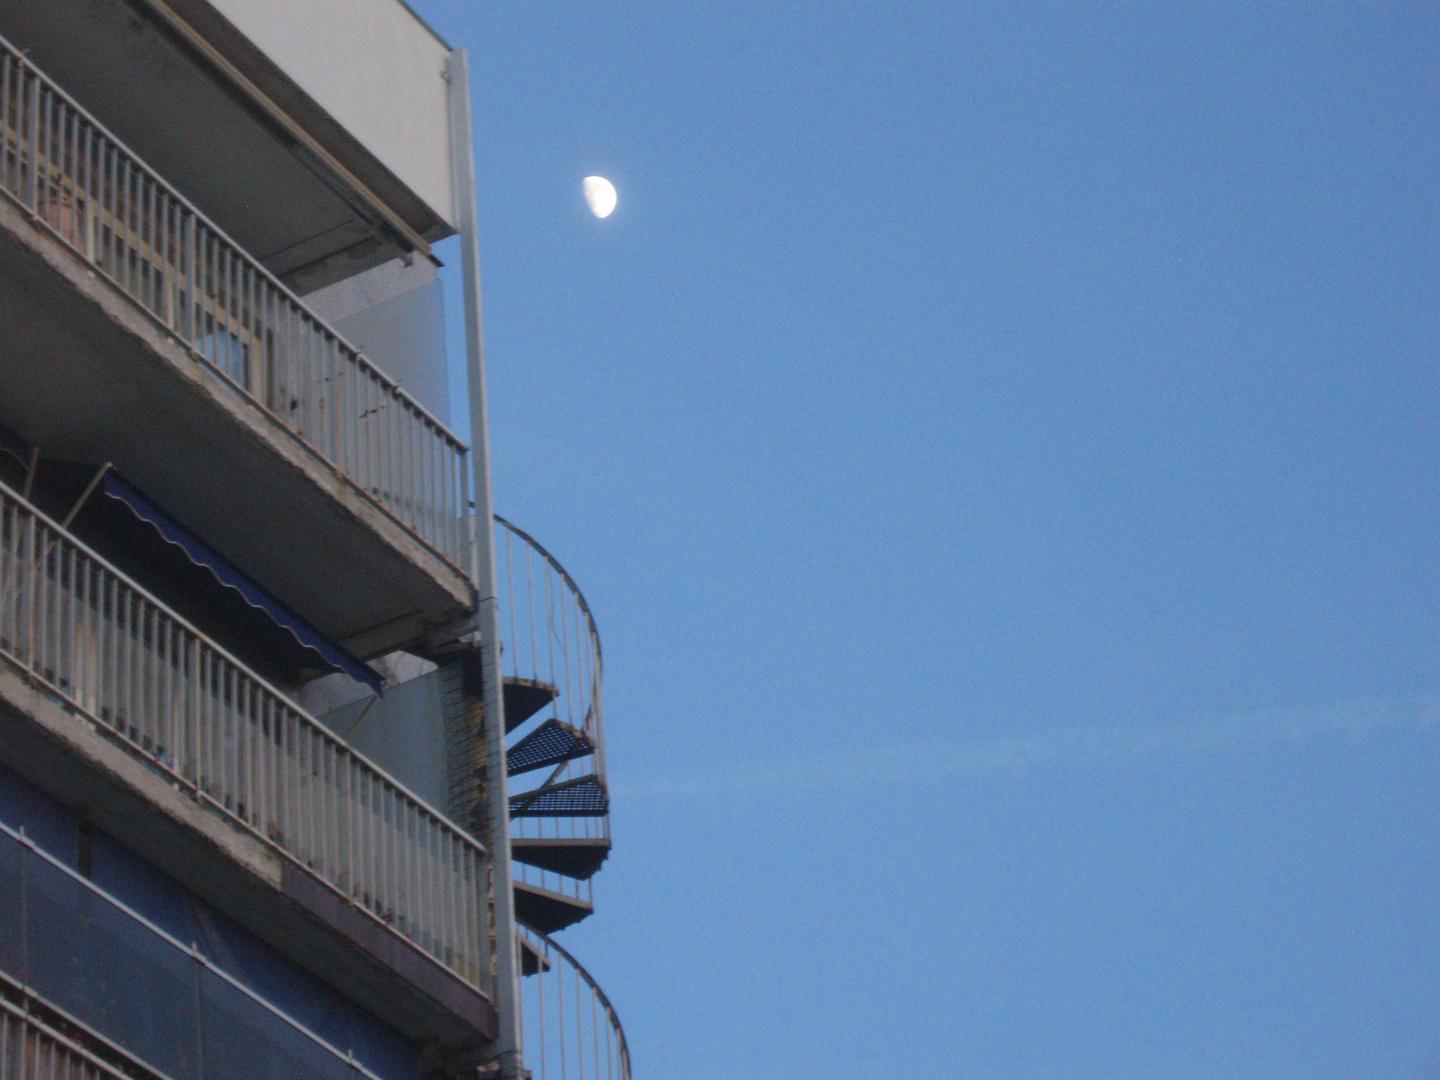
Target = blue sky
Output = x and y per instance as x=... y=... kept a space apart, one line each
x=999 y=445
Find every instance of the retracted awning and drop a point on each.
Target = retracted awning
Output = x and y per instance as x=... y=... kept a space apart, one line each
x=227 y=574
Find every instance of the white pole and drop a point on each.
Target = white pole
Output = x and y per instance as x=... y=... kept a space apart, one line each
x=507 y=970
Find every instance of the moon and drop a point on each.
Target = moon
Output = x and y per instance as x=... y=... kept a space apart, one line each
x=600 y=194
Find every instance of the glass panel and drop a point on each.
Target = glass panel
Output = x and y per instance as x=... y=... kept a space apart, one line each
x=118 y=871
x=47 y=824
x=95 y=961
x=11 y=956
x=245 y=1041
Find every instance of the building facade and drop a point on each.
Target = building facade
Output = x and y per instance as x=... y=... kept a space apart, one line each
x=299 y=766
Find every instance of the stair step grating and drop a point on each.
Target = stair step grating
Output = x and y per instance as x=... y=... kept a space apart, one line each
x=551 y=743
x=584 y=796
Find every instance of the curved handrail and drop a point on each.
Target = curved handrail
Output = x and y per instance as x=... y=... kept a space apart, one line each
x=616 y=1067
x=565 y=574
x=588 y=678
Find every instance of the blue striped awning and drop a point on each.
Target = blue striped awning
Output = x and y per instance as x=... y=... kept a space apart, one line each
x=331 y=654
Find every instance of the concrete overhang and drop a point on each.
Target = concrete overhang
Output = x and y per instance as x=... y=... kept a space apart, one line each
x=87 y=375
x=195 y=98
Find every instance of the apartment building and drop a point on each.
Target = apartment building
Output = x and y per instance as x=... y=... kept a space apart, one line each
x=300 y=766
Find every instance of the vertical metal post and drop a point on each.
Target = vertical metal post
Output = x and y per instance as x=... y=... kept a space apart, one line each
x=507 y=970
x=32 y=126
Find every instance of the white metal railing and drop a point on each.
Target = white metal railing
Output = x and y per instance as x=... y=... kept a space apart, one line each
x=183 y=704
x=550 y=637
x=570 y=1029
x=152 y=244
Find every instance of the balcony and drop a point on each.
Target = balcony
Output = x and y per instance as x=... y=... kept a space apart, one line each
x=111 y=701
x=146 y=337
x=91 y=989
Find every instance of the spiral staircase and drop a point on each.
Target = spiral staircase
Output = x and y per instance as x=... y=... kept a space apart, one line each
x=559 y=806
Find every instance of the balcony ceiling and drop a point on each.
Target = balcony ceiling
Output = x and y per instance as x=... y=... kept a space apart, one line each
x=202 y=131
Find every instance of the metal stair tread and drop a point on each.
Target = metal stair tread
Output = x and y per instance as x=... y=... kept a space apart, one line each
x=577 y=857
x=551 y=743
x=547 y=911
x=584 y=796
x=532 y=960
x=524 y=698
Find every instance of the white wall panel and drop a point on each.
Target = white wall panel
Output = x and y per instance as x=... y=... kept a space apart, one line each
x=375 y=68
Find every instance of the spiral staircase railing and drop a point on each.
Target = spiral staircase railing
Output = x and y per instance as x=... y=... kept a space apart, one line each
x=551 y=663
x=571 y=1031
x=559 y=806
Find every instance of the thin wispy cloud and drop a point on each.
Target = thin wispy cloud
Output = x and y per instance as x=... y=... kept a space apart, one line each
x=1066 y=748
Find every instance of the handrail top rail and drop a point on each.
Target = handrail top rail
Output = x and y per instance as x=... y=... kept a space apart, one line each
x=565 y=576
x=390 y=384
x=324 y=732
